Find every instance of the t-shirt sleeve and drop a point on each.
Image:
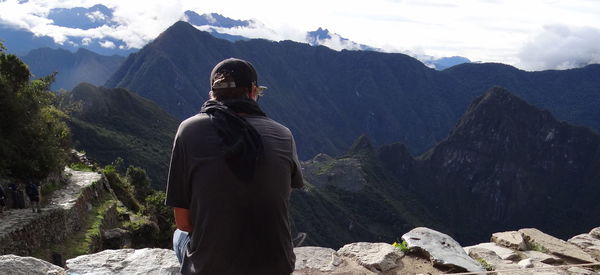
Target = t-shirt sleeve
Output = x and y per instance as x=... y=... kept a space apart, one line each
x=297 y=178
x=178 y=192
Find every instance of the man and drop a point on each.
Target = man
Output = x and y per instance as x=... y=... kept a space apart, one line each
x=2 y=203
x=33 y=193
x=232 y=170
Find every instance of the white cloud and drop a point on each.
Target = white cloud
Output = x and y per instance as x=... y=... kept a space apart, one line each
x=561 y=47
x=107 y=44
x=96 y=16
x=481 y=30
x=86 y=41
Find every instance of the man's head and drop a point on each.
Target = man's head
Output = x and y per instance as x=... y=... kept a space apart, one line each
x=234 y=78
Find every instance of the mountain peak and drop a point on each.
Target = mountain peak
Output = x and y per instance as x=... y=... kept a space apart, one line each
x=214 y=20
x=497 y=106
x=361 y=145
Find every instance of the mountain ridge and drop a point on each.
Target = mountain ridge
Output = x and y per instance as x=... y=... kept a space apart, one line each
x=390 y=97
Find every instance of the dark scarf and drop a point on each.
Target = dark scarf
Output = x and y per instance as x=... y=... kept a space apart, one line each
x=241 y=142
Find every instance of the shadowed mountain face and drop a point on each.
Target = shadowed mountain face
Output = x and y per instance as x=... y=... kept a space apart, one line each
x=328 y=98
x=111 y=123
x=72 y=68
x=505 y=165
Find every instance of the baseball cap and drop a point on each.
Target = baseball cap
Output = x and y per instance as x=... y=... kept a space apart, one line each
x=233 y=73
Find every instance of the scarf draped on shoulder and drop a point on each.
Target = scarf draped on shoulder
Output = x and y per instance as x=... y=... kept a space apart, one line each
x=241 y=143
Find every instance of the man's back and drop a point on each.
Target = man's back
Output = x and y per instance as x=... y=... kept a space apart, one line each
x=239 y=227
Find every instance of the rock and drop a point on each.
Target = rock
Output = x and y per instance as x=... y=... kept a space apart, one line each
x=580 y=271
x=116 y=238
x=503 y=252
x=595 y=232
x=542 y=257
x=441 y=249
x=377 y=257
x=486 y=255
x=510 y=239
x=588 y=243
x=17 y=265
x=527 y=263
x=319 y=258
x=556 y=246
x=126 y=261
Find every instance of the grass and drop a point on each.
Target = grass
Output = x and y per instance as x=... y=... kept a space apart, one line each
x=82 y=242
x=403 y=246
x=78 y=166
x=49 y=188
x=485 y=264
x=538 y=247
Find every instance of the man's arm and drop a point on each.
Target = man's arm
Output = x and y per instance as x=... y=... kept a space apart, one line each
x=297 y=178
x=182 y=219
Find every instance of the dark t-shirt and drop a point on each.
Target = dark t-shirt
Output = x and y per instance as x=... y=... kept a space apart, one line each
x=238 y=227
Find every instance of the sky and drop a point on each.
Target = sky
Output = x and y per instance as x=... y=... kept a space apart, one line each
x=528 y=34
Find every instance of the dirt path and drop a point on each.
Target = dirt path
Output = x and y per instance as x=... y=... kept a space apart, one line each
x=64 y=198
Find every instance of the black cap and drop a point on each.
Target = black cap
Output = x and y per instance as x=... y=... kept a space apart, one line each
x=233 y=73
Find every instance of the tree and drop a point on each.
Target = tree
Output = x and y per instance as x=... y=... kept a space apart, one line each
x=34 y=138
x=140 y=181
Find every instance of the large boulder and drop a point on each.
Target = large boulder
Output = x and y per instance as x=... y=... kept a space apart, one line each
x=569 y=252
x=511 y=239
x=503 y=252
x=316 y=258
x=441 y=249
x=17 y=265
x=588 y=243
x=126 y=261
x=377 y=257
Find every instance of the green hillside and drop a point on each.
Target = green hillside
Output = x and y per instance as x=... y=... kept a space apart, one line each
x=112 y=123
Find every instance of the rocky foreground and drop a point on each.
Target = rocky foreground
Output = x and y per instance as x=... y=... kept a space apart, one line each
x=424 y=251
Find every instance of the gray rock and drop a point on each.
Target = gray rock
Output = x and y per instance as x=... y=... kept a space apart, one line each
x=580 y=271
x=126 y=261
x=542 y=257
x=377 y=257
x=503 y=252
x=116 y=238
x=527 y=263
x=497 y=263
x=441 y=249
x=556 y=246
x=17 y=265
x=318 y=258
x=595 y=232
x=486 y=255
x=588 y=243
x=510 y=239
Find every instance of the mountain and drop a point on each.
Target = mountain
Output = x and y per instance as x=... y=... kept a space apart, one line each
x=505 y=165
x=82 y=18
x=214 y=19
x=327 y=98
x=226 y=28
x=353 y=198
x=72 y=68
x=447 y=62
x=322 y=37
x=112 y=123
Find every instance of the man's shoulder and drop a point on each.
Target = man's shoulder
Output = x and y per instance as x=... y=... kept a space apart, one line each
x=198 y=120
x=269 y=124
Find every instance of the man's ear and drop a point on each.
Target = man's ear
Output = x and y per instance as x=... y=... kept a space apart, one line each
x=210 y=95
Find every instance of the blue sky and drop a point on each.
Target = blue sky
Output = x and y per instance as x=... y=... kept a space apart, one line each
x=531 y=34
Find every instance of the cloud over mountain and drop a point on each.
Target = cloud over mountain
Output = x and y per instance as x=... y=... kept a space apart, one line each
x=562 y=47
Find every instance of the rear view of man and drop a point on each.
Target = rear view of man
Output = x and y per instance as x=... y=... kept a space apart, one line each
x=232 y=170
